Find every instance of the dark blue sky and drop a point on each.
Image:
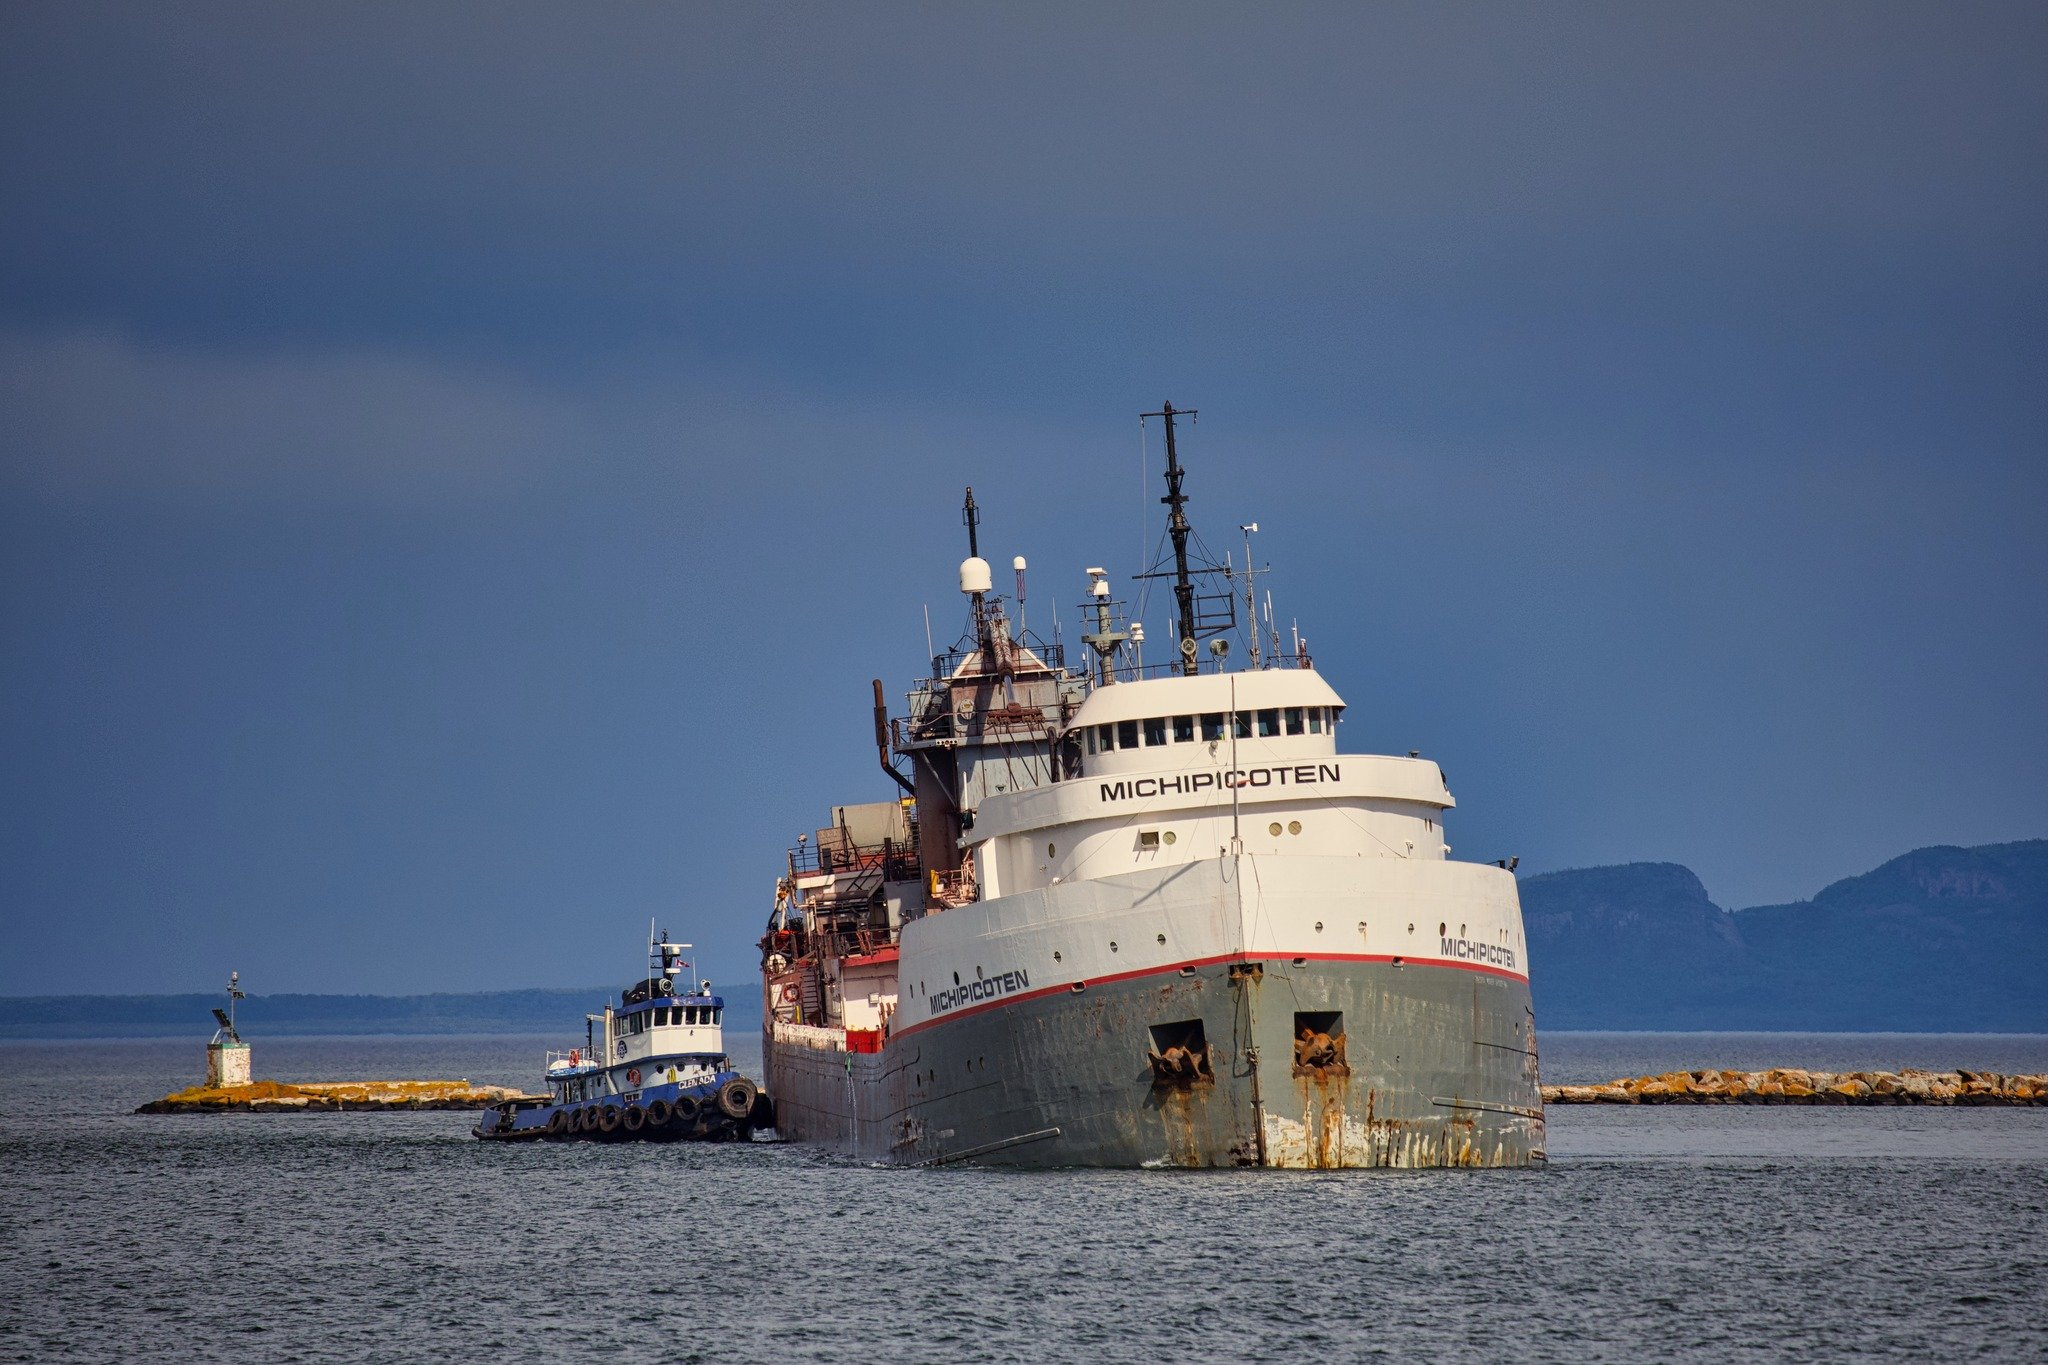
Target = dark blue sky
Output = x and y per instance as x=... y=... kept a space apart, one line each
x=462 y=464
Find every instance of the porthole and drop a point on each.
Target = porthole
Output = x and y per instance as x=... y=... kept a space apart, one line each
x=1294 y=826
x=1168 y=836
x=1274 y=829
x=1162 y=940
x=977 y=973
x=1411 y=928
x=1051 y=851
x=1319 y=926
x=1461 y=931
x=1055 y=955
x=1439 y=928
x=1112 y=945
x=956 y=978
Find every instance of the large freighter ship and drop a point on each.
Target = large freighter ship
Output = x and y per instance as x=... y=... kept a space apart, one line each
x=1124 y=915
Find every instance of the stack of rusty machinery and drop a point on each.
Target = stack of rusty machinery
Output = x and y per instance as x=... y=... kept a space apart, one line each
x=1181 y=1067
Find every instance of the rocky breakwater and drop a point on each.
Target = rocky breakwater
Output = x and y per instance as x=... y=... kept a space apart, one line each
x=1790 y=1085
x=276 y=1097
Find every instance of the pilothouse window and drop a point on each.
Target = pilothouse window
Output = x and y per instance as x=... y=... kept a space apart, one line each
x=1242 y=722
x=1315 y=720
x=1212 y=725
x=1294 y=720
x=1269 y=723
x=1127 y=734
x=1183 y=729
x=1155 y=731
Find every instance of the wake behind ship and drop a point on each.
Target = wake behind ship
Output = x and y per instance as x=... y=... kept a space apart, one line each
x=1131 y=915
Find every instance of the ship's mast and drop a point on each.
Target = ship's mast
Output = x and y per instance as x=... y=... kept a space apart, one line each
x=971 y=514
x=1177 y=527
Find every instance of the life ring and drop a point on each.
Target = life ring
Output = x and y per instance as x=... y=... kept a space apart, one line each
x=736 y=1097
x=635 y=1118
x=633 y=1076
x=575 y=1056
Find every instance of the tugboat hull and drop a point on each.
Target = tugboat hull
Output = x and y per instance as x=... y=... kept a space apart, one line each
x=726 y=1109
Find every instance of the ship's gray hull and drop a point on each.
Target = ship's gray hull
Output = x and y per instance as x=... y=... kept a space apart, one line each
x=1438 y=1068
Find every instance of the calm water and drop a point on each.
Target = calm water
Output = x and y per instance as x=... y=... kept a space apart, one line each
x=1710 y=1233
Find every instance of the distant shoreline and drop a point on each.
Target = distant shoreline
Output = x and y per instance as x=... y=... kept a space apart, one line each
x=85 y=1018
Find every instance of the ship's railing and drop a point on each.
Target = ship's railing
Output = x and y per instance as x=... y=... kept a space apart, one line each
x=573 y=1057
x=1209 y=664
x=897 y=862
x=950 y=890
x=946 y=664
x=810 y=1035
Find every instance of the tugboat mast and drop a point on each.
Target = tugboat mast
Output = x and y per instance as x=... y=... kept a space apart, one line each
x=1177 y=527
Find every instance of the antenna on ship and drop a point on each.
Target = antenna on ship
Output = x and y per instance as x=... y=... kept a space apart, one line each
x=1177 y=527
x=1251 y=601
x=1198 y=615
x=975 y=578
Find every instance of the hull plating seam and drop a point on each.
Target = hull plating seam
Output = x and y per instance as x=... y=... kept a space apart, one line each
x=1388 y=958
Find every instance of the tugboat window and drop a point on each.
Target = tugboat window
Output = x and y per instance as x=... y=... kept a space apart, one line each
x=1315 y=720
x=1212 y=725
x=1107 y=734
x=1183 y=729
x=1269 y=723
x=1091 y=741
x=1127 y=734
x=1155 y=731
x=1294 y=720
x=1241 y=721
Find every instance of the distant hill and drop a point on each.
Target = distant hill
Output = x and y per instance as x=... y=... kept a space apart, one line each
x=275 y=1016
x=1940 y=939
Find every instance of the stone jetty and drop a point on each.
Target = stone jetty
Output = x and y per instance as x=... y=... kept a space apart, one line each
x=1790 y=1085
x=305 y=1097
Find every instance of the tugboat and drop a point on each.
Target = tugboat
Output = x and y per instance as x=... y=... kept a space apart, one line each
x=652 y=1069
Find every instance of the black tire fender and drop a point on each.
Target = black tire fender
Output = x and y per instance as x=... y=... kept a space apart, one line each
x=736 y=1097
